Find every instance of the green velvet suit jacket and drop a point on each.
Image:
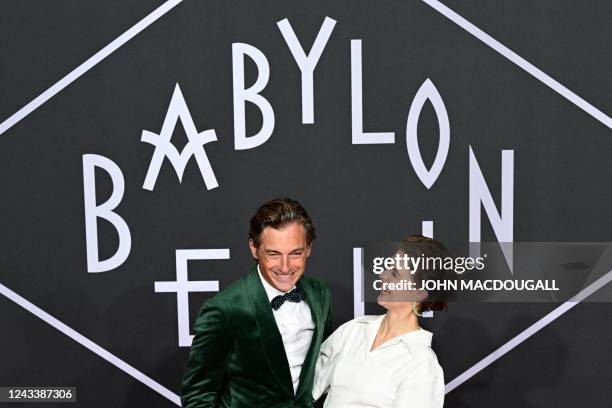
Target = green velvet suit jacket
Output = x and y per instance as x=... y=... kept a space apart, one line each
x=237 y=358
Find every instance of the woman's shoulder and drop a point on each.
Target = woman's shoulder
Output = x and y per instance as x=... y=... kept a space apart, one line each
x=422 y=356
x=361 y=321
x=366 y=319
x=355 y=325
x=419 y=343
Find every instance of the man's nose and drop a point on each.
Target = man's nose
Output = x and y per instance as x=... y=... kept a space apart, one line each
x=285 y=263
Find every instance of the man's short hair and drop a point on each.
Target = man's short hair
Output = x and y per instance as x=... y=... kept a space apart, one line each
x=276 y=214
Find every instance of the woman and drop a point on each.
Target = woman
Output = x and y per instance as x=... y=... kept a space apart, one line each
x=387 y=360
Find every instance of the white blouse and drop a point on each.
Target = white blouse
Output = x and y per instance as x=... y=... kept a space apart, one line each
x=402 y=372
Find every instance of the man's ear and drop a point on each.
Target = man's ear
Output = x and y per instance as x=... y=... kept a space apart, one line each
x=253 y=248
x=308 y=248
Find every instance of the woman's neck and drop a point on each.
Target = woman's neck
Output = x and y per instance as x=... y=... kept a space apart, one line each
x=398 y=322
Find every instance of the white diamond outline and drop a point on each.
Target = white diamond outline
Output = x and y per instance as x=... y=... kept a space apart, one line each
x=528 y=332
x=520 y=62
x=87 y=65
x=87 y=343
x=170 y=4
x=154 y=385
x=25 y=111
x=576 y=100
x=435 y=4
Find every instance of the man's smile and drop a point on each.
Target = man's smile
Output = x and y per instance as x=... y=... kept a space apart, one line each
x=284 y=276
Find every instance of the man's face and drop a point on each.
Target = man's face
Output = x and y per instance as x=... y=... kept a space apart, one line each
x=282 y=255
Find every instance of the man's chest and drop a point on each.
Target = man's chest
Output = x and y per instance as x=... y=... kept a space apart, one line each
x=295 y=323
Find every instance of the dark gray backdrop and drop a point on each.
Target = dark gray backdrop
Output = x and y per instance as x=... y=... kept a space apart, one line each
x=353 y=192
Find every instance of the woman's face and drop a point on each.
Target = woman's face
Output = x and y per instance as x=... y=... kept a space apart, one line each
x=402 y=295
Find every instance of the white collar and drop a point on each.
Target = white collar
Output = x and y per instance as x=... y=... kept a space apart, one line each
x=271 y=291
x=416 y=338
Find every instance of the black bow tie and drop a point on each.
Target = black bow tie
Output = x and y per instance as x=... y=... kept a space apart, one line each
x=295 y=295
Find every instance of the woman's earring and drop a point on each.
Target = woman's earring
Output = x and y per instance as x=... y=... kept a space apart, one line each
x=414 y=309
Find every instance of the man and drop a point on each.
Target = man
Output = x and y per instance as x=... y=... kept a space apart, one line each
x=257 y=341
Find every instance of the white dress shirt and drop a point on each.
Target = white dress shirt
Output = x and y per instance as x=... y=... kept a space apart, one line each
x=296 y=327
x=402 y=372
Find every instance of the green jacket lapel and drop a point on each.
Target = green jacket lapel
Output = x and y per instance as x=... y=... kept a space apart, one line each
x=270 y=337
